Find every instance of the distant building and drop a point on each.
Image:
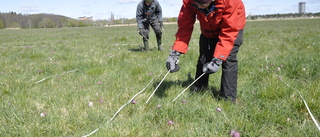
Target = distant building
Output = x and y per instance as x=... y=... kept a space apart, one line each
x=85 y=18
x=302 y=7
x=112 y=16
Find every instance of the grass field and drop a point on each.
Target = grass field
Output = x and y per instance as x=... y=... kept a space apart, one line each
x=71 y=81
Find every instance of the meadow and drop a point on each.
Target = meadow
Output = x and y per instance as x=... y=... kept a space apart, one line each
x=71 y=81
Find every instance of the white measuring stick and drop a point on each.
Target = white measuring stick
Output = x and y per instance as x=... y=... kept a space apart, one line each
x=158 y=86
x=189 y=86
x=87 y=135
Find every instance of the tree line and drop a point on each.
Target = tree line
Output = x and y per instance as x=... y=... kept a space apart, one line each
x=283 y=16
x=14 y=20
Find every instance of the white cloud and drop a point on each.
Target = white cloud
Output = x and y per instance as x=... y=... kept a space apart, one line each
x=171 y=3
x=29 y=8
x=129 y=1
x=313 y=2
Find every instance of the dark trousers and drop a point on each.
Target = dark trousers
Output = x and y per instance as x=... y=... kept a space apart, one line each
x=229 y=77
x=155 y=25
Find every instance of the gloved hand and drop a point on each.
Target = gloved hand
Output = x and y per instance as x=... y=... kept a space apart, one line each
x=161 y=24
x=141 y=31
x=212 y=67
x=172 y=61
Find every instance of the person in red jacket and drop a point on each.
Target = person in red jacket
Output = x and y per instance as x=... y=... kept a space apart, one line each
x=222 y=23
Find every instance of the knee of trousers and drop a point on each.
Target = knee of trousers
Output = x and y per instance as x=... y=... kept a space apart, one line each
x=158 y=35
x=230 y=65
x=145 y=39
x=158 y=32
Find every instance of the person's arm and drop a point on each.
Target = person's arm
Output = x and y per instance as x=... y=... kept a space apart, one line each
x=139 y=15
x=229 y=30
x=186 y=20
x=158 y=11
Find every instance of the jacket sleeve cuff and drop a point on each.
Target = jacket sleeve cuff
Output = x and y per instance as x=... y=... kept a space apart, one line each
x=180 y=47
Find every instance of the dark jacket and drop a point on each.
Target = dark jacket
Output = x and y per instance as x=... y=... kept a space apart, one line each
x=147 y=14
x=223 y=21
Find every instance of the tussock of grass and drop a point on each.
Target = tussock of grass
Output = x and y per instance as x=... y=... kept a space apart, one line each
x=111 y=69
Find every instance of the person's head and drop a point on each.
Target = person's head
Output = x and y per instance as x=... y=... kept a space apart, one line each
x=148 y=2
x=202 y=4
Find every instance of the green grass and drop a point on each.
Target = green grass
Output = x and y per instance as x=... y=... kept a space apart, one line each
x=111 y=69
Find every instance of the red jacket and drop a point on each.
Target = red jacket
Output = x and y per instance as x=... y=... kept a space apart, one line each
x=224 y=22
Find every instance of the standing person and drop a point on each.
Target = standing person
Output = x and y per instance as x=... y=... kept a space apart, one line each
x=221 y=23
x=149 y=13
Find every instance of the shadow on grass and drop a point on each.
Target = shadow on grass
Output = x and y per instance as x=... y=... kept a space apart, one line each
x=162 y=88
x=141 y=49
x=184 y=84
x=167 y=84
x=214 y=92
x=136 y=50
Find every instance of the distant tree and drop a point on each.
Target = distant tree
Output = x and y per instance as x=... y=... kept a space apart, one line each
x=46 y=23
x=172 y=19
x=29 y=23
x=13 y=13
x=61 y=21
x=14 y=25
x=1 y=24
x=100 y=23
x=72 y=23
x=14 y=20
x=81 y=24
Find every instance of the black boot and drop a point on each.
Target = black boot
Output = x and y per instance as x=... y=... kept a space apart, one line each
x=159 y=41
x=160 y=47
x=146 y=45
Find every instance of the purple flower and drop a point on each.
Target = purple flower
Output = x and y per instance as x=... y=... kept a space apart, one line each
x=232 y=132
x=158 y=106
x=99 y=82
x=100 y=100
x=133 y=101
x=288 y=119
x=90 y=104
x=236 y=134
x=184 y=101
x=43 y=114
x=170 y=122
x=218 y=109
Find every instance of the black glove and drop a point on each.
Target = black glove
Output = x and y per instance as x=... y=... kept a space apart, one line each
x=141 y=31
x=212 y=67
x=161 y=24
x=172 y=61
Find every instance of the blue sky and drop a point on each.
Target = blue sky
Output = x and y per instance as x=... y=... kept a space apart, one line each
x=102 y=9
